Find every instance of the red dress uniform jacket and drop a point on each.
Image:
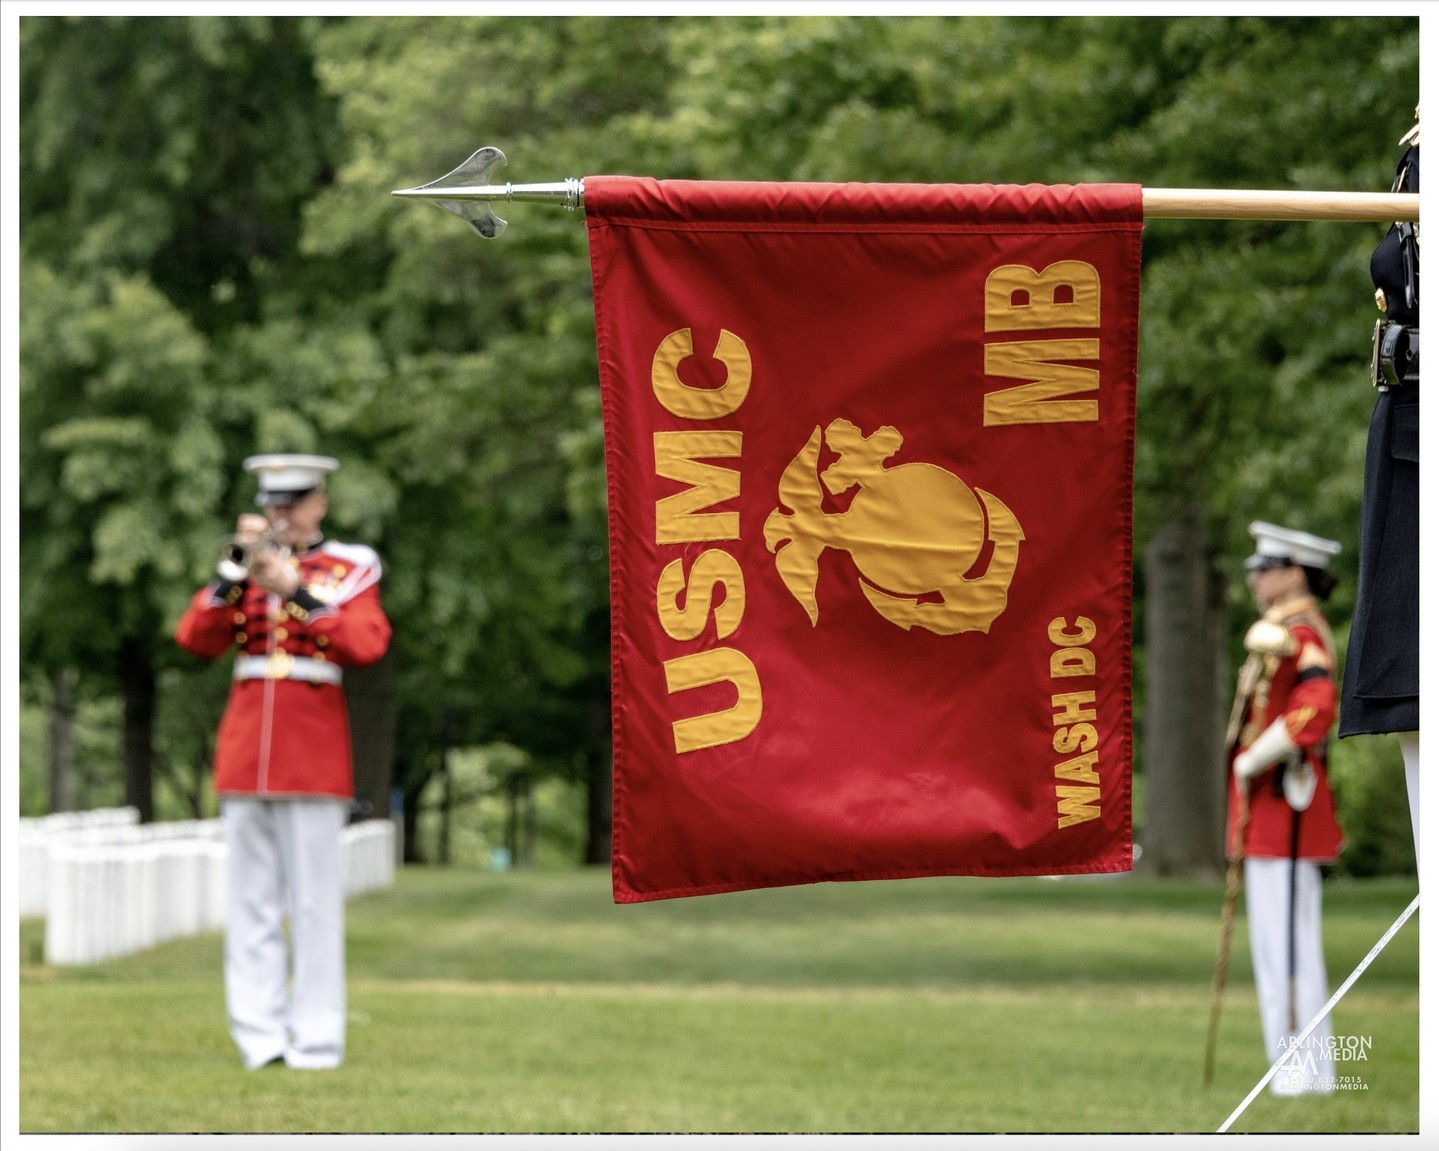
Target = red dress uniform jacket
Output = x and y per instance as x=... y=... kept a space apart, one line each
x=285 y=731
x=1299 y=687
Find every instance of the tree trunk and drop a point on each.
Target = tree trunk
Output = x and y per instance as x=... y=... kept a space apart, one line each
x=62 y=739
x=513 y=785
x=531 y=825
x=1184 y=723
x=370 y=699
x=137 y=690
x=521 y=819
x=410 y=820
x=447 y=805
x=599 y=789
x=599 y=809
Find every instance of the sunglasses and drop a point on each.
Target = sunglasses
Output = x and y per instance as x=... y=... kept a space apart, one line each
x=1268 y=563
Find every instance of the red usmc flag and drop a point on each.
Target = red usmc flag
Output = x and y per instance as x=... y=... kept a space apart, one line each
x=869 y=451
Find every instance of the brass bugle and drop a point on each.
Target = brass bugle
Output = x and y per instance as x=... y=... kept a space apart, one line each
x=236 y=554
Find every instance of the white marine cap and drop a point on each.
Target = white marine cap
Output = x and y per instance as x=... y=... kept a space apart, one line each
x=285 y=478
x=1275 y=546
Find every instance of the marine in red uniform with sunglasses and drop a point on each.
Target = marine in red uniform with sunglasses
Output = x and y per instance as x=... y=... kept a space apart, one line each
x=1281 y=810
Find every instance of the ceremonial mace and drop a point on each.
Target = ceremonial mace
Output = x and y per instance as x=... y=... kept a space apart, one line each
x=1249 y=676
x=1232 y=884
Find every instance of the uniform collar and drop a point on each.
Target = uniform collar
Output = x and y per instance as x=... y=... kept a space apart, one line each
x=1299 y=605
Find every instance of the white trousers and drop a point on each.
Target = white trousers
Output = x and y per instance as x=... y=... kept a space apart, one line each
x=1267 y=902
x=285 y=860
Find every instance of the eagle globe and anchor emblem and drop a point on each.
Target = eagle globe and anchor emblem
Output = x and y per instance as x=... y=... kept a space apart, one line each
x=914 y=530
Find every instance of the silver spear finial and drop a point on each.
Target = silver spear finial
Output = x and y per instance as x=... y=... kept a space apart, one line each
x=467 y=192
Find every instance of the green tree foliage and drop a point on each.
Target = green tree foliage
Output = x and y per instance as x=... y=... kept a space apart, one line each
x=492 y=429
x=118 y=460
x=163 y=164
x=181 y=147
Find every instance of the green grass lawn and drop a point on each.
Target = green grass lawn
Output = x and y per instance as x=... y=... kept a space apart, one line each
x=530 y=1003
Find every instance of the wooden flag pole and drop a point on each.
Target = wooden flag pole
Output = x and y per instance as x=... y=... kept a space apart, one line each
x=1211 y=204
x=467 y=192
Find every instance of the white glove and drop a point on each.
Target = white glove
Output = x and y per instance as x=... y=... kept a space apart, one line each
x=1300 y=783
x=1272 y=745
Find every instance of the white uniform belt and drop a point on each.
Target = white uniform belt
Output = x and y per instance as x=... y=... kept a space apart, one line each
x=283 y=665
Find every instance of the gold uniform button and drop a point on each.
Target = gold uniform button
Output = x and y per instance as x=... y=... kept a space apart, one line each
x=322 y=641
x=281 y=634
x=241 y=638
x=239 y=617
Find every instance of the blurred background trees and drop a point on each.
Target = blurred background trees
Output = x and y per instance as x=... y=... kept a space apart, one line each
x=212 y=266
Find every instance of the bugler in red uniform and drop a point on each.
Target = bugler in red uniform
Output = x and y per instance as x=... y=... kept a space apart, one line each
x=285 y=730
x=296 y=610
